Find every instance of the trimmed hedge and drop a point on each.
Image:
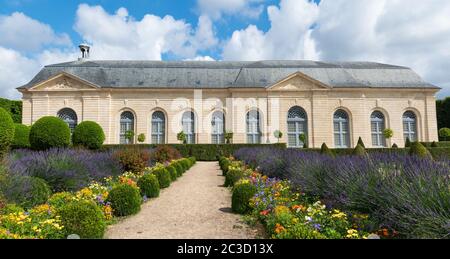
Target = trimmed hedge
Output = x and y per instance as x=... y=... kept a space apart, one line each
x=21 y=136
x=6 y=131
x=233 y=176
x=240 y=200
x=83 y=218
x=437 y=152
x=203 y=152
x=164 y=178
x=173 y=172
x=49 y=132
x=179 y=168
x=125 y=200
x=88 y=134
x=149 y=185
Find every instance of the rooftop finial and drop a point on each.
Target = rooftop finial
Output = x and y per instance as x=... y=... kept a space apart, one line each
x=84 y=48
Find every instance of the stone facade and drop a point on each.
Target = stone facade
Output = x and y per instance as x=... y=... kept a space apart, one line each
x=319 y=101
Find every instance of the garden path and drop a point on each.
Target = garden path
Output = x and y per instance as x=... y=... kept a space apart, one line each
x=196 y=206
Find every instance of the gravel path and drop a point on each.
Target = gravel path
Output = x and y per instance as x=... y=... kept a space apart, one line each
x=196 y=206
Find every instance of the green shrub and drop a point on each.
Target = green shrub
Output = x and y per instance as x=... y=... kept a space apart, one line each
x=125 y=200
x=141 y=138
x=193 y=160
x=434 y=144
x=11 y=208
x=395 y=146
x=417 y=149
x=133 y=159
x=324 y=150
x=164 y=178
x=26 y=191
x=179 y=168
x=407 y=143
x=165 y=153
x=444 y=133
x=361 y=143
x=6 y=131
x=240 y=200
x=359 y=151
x=14 y=108
x=83 y=218
x=233 y=176
x=149 y=185
x=21 y=136
x=89 y=135
x=58 y=200
x=49 y=132
x=173 y=172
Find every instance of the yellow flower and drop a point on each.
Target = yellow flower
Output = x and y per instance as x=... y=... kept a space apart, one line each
x=352 y=233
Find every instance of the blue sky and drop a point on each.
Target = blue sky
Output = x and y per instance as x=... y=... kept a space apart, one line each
x=35 y=33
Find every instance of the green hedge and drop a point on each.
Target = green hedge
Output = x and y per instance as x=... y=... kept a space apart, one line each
x=436 y=152
x=203 y=152
x=14 y=108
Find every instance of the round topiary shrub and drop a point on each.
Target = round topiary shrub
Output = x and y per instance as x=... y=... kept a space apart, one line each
x=21 y=136
x=27 y=191
x=173 y=172
x=240 y=200
x=49 y=132
x=225 y=165
x=417 y=149
x=185 y=164
x=163 y=176
x=6 y=131
x=233 y=176
x=149 y=186
x=179 y=168
x=125 y=200
x=89 y=135
x=83 y=218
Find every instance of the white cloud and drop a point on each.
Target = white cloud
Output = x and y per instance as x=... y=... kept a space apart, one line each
x=201 y=58
x=244 y=8
x=23 y=33
x=287 y=38
x=120 y=36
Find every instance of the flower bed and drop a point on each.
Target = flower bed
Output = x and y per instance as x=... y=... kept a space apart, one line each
x=287 y=213
x=85 y=212
x=404 y=196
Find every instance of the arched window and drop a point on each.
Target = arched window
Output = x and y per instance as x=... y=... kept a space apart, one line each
x=126 y=125
x=410 y=126
x=253 y=127
x=297 y=123
x=70 y=117
x=158 y=128
x=341 y=129
x=218 y=128
x=377 y=125
x=188 y=123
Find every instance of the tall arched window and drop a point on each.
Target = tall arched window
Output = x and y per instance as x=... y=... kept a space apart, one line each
x=377 y=125
x=410 y=126
x=253 y=127
x=158 y=128
x=70 y=117
x=297 y=123
x=126 y=125
x=188 y=123
x=218 y=128
x=341 y=129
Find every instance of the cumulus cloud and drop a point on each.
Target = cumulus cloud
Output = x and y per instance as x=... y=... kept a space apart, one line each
x=244 y=8
x=120 y=36
x=289 y=36
x=23 y=33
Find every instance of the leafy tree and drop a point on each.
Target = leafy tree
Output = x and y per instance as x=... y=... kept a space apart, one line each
x=141 y=138
x=129 y=135
x=388 y=133
x=181 y=136
x=278 y=134
x=443 y=113
x=228 y=136
x=14 y=108
x=444 y=133
x=361 y=143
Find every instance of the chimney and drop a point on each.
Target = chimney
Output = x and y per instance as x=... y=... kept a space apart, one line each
x=84 y=48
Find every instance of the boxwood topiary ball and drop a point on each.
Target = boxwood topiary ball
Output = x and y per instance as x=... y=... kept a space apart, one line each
x=88 y=134
x=173 y=172
x=163 y=177
x=125 y=200
x=240 y=200
x=83 y=218
x=233 y=176
x=21 y=136
x=149 y=186
x=6 y=130
x=49 y=132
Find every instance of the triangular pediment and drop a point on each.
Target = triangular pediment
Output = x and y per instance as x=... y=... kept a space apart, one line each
x=298 y=82
x=64 y=82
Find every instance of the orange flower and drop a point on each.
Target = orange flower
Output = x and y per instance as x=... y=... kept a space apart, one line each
x=384 y=232
x=264 y=212
x=298 y=207
x=279 y=228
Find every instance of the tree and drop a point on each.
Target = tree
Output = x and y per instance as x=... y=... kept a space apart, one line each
x=304 y=139
x=129 y=135
x=443 y=113
x=14 y=108
x=141 y=138
x=361 y=143
x=278 y=134
x=228 y=136
x=444 y=133
x=388 y=133
x=181 y=136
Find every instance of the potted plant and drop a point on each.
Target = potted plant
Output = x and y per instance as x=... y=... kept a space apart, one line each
x=388 y=134
x=228 y=137
x=181 y=136
x=278 y=134
x=304 y=139
x=141 y=138
x=129 y=135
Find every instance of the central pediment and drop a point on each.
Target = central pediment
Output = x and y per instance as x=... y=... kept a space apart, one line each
x=298 y=82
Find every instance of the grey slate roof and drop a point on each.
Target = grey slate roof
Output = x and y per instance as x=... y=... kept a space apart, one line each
x=224 y=74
